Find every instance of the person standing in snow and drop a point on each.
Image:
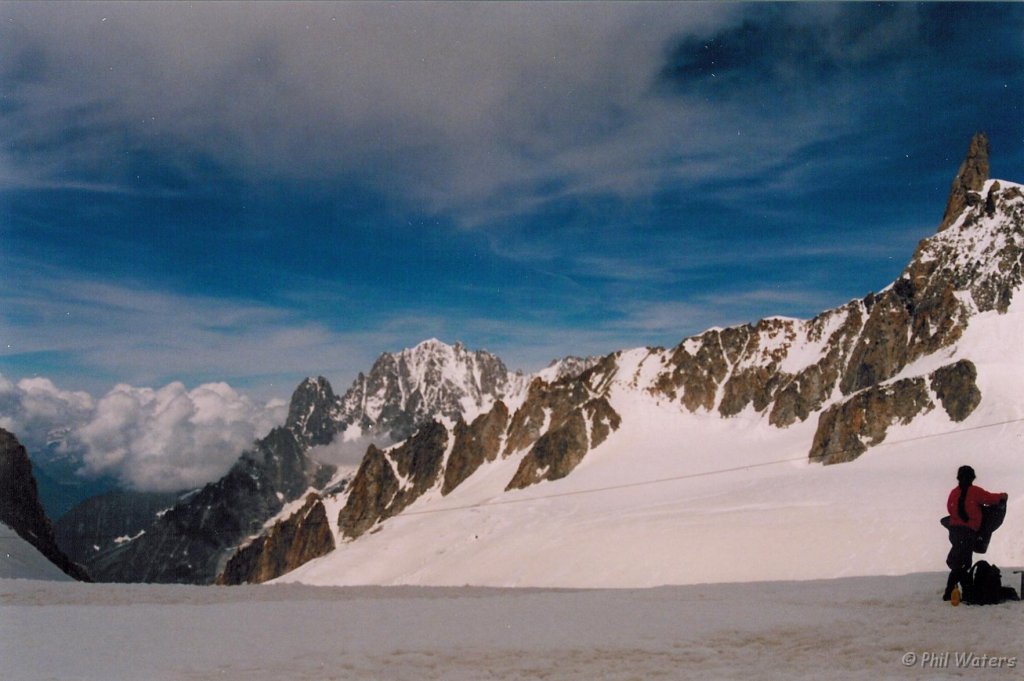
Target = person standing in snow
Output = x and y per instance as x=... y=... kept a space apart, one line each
x=964 y=507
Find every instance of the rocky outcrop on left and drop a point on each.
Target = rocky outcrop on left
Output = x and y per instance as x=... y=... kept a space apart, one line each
x=21 y=510
x=289 y=543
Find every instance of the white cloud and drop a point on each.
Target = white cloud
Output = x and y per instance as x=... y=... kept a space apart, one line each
x=172 y=438
x=348 y=449
x=167 y=438
x=39 y=412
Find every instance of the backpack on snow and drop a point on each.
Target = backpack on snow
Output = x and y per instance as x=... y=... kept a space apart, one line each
x=985 y=586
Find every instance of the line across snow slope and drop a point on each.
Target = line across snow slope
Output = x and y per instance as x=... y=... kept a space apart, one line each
x=680 y=498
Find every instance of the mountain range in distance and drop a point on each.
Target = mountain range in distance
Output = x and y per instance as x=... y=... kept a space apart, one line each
x=475 y=474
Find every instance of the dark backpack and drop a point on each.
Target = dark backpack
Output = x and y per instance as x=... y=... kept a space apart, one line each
x=985 y=586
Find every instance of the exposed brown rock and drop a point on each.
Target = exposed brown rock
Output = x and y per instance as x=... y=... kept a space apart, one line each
x=303 y=536
x=917 y=316
x=603 y=420
x=548 y=405
x=475 y=444
x=956 y=387
x=555 y=454
x=376 y=491
x=544 y=401
x=847 y=429
x=698 y=372
x=419 y=460
x=990 y=199
x=560 y=422
x=970 y=178
x=373 y=488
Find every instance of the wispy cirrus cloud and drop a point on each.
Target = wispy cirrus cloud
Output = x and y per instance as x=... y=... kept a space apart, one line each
x=253 y=193
x=144 y=336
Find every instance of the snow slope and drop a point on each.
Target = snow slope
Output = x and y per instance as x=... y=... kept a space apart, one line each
x=21 y=560
x=859 y=628
x=680 y=498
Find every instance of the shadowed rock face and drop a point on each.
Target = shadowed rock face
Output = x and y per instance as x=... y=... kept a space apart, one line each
x=956 y=387
x=103 y=522
x=475 y=444
x=20 y=508
x=377 y=491
x=373 y=489
x=292 y=542
x=560 y=422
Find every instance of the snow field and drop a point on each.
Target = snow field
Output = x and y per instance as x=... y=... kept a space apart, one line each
x=858 y=628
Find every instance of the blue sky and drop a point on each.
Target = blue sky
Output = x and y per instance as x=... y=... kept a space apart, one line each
x=253 y=193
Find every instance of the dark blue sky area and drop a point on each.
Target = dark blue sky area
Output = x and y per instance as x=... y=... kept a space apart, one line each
x=255 y=193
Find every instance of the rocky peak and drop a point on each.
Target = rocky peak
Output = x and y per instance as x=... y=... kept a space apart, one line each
x=969 y=180
x=405 y=390
x=313 y=412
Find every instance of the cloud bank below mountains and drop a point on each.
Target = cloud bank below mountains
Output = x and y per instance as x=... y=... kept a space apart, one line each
x=153 y=439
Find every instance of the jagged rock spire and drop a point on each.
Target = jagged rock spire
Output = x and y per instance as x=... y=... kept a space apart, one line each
x=970 y=178
x=312 y=412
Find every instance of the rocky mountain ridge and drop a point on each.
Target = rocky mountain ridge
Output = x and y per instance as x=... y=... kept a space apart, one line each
x=193 y=539
x=844 y=366
x=855 y=370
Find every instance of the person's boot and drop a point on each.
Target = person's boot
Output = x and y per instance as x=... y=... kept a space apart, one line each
x=950 y=585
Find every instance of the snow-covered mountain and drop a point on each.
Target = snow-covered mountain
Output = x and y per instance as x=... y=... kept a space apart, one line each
x=191 y=540
x=406 y=389
x=632 y=471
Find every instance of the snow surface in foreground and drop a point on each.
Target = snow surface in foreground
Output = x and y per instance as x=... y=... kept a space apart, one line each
x=855 y=628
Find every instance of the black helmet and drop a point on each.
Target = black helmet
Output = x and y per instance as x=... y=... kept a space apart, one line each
x=965 y=474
